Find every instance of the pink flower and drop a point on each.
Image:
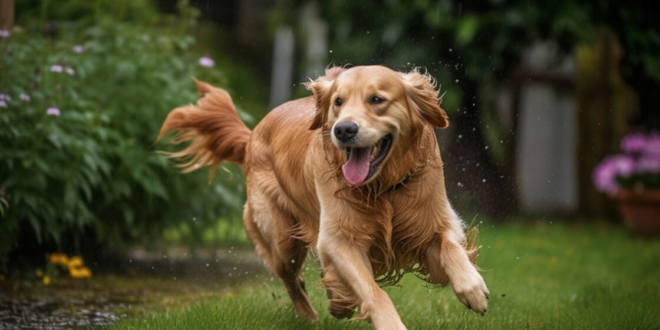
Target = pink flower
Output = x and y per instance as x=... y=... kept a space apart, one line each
x=53 y=111
x=56 y=68
x=633 y=143
x=70 y=71
x=648 y=164
x=606 y=172
x=3 y=104
x=653 y=144
x=4 y=33
x=78 y=49
x=24 y=97
x=206 y=61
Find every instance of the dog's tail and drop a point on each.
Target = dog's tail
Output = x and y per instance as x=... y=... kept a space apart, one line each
x=213 y=127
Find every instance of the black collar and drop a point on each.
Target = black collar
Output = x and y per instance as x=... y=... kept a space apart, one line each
x=402 y=182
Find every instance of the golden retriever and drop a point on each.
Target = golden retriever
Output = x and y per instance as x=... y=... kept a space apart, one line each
x=353 y=172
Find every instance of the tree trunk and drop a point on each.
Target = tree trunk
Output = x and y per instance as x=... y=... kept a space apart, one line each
x=602 y=102
x=6 y=14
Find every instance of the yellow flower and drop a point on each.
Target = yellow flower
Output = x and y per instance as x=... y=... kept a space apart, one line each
x=39 y=272
x=80 y=272
x=59 y=258
x=46 y=280
x=75 y=262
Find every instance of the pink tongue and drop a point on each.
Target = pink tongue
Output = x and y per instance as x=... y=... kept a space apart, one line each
x=357 y=168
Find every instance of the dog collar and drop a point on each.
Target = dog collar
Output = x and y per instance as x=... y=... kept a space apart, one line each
x=402 y=182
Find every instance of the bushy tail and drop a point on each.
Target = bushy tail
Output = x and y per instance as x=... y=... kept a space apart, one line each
x=213 y=127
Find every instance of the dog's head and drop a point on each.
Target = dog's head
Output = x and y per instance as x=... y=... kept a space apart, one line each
x=374 y=115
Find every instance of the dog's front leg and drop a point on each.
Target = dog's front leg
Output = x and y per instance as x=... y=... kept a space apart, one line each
x=349 y=262
x=447 y=258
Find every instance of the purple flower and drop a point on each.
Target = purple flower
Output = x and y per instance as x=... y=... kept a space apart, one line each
x=78 y=49
x=24 y=97
x=605 y=173
x=70 y=71
x=653 y=144
x=206 y=61
x=53 y=111
x=633 y=143
x=648 y=164
x=3 y=104
x=4 y=96
x=56 y=68
x=4 y=33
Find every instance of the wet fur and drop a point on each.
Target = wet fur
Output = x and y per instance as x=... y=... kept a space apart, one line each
x=298 y=199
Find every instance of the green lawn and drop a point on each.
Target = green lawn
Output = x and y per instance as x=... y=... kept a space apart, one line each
x=545 y=276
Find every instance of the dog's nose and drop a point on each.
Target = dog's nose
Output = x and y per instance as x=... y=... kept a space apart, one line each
x=345 y=131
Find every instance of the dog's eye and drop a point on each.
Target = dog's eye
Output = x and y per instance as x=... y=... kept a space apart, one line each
x=338 y=101
x=376 y=99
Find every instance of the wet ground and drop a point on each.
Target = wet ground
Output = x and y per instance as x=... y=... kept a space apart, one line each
x=142 y=283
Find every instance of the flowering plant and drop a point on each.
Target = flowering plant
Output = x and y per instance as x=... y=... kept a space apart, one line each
x=79 y=112
x=638 y=167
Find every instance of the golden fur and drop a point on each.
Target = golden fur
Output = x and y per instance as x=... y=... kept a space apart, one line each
x=298 y=199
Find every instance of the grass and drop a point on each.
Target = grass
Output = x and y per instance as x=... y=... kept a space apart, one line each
x=540 y=277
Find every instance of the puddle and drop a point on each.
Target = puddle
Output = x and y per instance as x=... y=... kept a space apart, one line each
x=141 y=284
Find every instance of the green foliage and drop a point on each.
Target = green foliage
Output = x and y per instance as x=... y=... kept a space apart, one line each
x=89 y=170
x=544 y=277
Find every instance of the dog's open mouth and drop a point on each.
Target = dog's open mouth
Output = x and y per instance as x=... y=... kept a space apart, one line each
x=363 y=163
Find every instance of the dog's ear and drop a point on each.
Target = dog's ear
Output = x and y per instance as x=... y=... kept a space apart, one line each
x=322 y=88
x=423 y=98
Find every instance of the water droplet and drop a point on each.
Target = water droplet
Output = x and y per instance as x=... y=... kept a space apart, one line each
x=207 y=265
x=486 y=147
x=164 y=257
x=451 y=50
x=330 y=51
x=130 y=260
x=517 y=258
x=456 y=80
x=460 y=136
x=293 y=261
x=484 y=180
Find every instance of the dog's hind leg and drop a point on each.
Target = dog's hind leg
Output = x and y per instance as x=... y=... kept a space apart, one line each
x=291 y=254
x=283 y=255
x=341 y=301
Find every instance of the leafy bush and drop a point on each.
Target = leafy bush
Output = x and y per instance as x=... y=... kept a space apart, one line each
x=80 y=112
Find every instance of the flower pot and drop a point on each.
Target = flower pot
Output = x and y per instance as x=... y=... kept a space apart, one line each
x=640 y=210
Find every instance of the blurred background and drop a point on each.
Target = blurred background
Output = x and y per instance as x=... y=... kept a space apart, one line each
x=538 y=94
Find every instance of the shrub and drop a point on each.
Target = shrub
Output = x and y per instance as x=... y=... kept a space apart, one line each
x=80 y=110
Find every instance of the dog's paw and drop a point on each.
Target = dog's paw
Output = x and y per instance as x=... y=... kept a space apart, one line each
x=471 y=290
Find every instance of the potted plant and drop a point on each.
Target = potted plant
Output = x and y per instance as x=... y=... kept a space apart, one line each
x=633 y=179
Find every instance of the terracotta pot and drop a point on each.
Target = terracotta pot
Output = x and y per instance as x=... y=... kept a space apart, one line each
x=641 y=211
